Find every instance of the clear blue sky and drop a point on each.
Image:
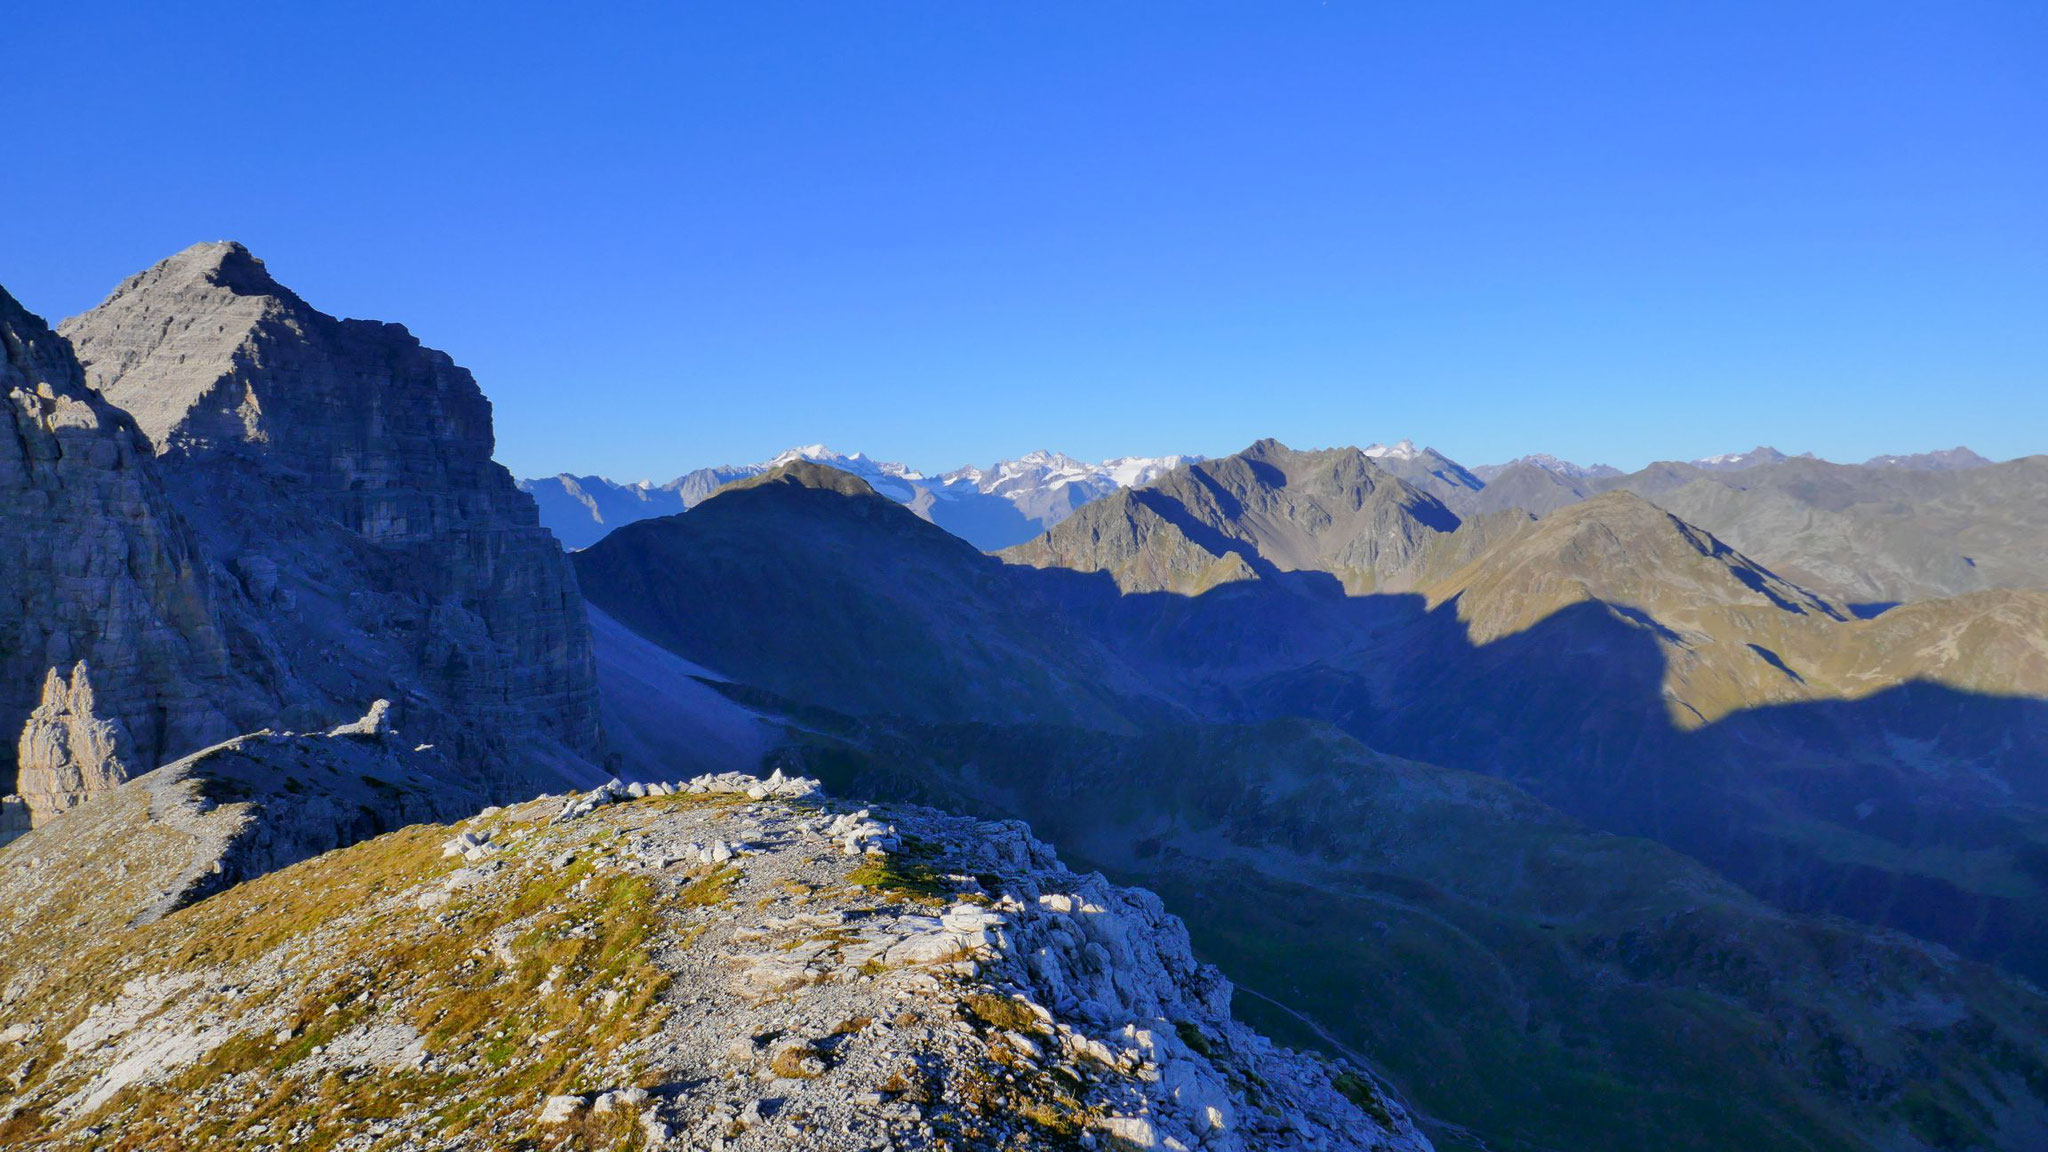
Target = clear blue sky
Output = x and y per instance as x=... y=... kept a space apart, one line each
x=675 y=234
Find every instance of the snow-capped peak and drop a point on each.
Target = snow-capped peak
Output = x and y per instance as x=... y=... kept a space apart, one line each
x=1402 y=450
x=858 y=463
x=1549 y=463
x=1138 y=471
x=1044 y=470
x=1762 y=454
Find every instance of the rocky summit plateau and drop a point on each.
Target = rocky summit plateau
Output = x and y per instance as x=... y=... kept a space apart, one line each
x=1298 y=798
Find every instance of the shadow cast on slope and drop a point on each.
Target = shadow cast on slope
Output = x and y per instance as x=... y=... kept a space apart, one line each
x=1920 y=807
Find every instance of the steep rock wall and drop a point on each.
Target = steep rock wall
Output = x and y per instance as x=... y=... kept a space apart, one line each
x=342 y=473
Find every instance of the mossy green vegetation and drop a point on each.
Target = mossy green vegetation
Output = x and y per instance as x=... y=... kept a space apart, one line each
x=710 y=889
x=1004 y=1012
x=530 y=984
x=907 y=875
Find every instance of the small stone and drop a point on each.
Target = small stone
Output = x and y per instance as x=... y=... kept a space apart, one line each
x=561 y=1109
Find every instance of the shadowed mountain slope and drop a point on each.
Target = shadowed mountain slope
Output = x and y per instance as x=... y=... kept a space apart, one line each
x=1302 y=858
x=1526 y=981
x=807 y=582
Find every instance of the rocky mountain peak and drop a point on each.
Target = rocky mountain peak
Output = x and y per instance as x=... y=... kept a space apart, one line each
x=222 y=263
x=1548 y=463
x=1756 y=457
x=342 y=472
x=1265 y=448
x=211 y=355
x=1620 y=549
x=1946 y=460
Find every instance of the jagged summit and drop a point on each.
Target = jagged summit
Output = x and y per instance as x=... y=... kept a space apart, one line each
x=1548 y=463
x=210 y=353
x=1265 y=510
x=224 y=263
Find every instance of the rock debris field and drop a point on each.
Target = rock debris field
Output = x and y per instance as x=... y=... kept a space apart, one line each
x=727 y=964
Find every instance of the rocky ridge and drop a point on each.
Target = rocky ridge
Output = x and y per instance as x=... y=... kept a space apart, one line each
x=726 y=963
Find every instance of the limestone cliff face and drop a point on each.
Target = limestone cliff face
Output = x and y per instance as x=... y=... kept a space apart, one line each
x=340 y=473
x=98 y=567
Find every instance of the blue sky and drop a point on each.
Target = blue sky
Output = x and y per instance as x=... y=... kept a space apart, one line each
x=668 y=235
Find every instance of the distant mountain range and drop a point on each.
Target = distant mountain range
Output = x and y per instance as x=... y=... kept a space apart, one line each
x=1891 y=529
x=1007 y=503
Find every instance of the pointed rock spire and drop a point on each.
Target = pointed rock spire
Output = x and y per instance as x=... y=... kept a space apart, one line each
x=68 y=752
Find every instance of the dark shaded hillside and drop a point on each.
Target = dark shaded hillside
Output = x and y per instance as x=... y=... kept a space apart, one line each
x=807 y=582
x=1520 y=976
x=1710 y=719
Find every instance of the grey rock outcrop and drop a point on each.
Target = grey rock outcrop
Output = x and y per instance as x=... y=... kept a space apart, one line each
x=68 y=750
x=100 y=567
x=339 y=478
